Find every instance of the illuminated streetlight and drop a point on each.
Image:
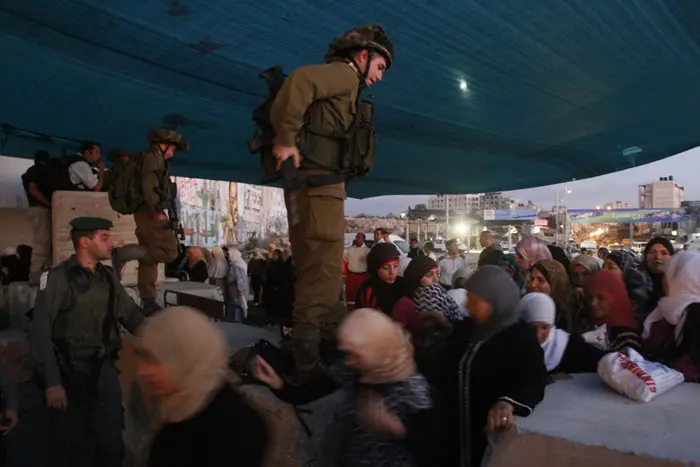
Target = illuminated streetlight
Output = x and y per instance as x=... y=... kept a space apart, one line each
x=597 y=207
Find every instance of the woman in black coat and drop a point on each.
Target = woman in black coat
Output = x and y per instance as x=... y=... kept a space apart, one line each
x=201 y=420
x=491 y=367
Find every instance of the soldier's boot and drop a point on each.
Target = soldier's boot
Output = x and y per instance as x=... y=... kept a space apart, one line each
x=150 y=307
x=126 y=253
x=306 y=341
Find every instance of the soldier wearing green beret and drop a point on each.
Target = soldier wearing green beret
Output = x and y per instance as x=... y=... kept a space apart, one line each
x=74 y=340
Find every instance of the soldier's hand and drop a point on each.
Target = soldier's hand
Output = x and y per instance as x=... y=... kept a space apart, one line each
x=9 y=421
x=263 y=372
x=56 y=398
x=160 y=216
x=282 y=153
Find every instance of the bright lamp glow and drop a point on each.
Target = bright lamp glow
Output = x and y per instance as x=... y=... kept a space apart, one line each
x=460 y=229
x=463 y=85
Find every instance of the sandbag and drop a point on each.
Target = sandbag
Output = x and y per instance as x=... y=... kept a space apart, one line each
x=635 y=377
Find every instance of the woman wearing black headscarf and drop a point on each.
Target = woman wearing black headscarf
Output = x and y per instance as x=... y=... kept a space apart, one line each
x=383 y=288
x=421 y=271
x=491 y=367
x=623 y=265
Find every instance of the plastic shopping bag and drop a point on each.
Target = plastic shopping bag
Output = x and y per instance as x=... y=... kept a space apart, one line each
x=635 y=377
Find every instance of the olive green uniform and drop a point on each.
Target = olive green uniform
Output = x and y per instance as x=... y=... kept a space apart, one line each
x=156 y=236
x=69 y=324
x=324 y=95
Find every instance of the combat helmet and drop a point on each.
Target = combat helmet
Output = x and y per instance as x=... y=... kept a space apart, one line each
x=168 y=136
x=369 y=36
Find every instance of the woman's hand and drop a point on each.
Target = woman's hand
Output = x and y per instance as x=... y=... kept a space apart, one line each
x=500 y=416
x=374 y=416
x=264 y=373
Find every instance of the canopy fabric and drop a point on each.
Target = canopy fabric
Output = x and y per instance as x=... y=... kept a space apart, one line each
x=484 y=95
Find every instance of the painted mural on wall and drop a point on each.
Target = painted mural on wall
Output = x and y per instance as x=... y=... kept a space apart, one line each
x=222 y=213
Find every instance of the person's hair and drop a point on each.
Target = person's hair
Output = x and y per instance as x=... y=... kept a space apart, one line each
x=363 y=235
x=41 y=156
x=486 y=233
x=428 y=246
x=76 y=235
x=583 y=250
x=87 y=145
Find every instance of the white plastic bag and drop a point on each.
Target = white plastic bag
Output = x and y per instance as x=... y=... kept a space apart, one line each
x=635 y=377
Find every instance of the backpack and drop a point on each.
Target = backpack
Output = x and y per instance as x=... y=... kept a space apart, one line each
x=354 y=149
x=125 y=195
x=58 y=174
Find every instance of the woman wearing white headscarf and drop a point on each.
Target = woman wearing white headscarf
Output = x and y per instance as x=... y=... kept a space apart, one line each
x=672 y=330
x=563 y=352
x=201 y=420
x=218 y=268
x=236 y=287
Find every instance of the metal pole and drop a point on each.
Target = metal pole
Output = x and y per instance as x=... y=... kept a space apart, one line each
x=566 y=216
x=556 y=235
x=510 y=237
x=631 y=234
x=447 y=217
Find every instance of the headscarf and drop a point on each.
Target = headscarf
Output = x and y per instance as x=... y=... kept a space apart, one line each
x=605 y=252
x=533 y=249
x=416 y=269
x=683 y=278
x=632 y=276
x=560 y=255
x=508 y=261
x=540 y=308
x=381 y=343
x=589 y=263
x=461 y=273
x=659 y=241
x=609 y=285
x=237 y=259
x=183 y=339
x=385 y=295
x=434 y=298
x=492 y=284
x=460 y=298
x=219 y=266
x=656 y=286
x=558 y=281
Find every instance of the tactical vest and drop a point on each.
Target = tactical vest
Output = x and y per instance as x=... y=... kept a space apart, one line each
x=345 y=154
x=79 y=328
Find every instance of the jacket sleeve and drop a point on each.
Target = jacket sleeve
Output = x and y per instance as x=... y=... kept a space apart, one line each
x=689 y=361
x=150 y=169
x=579 y=357
x=46 y=308
x=300 y=89
x=529 y=375
x=9 y=389
x=129 y=314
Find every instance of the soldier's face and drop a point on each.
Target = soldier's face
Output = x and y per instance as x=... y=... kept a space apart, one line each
x=377 y=67
x=92 y=155
x=169 y=152
x=100 y=246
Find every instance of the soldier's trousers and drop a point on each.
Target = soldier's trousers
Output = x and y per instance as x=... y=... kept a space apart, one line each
x=41 y=242
x=90 y=432
x=316 y=232
x=161 y=245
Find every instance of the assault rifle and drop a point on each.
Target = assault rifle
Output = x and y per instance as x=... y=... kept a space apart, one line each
x=167 y=204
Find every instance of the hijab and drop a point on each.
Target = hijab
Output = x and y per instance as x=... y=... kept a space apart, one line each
x=540 y=308
x=559 y=283
x=381 y=343
x=508 y=261
x=385 y=295
x=632 y=276
x=611 y=287
x=434 y=298
x=195 y=350
x=656 y=285
x=494 y=285
x=237 y=259
x=219 y=265
x=589 y=263
x=533 y=249
x=683 y=277
x=461 y=273
x=416 y=269
x=560 y=255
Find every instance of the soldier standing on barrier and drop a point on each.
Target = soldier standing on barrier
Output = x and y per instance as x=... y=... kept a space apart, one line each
x=156 y=218
x=323 y=127
x=74 y=340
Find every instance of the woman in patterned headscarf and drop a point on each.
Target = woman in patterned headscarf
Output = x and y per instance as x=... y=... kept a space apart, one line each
x=530 y=250
x=582 y=267
x=384 y=287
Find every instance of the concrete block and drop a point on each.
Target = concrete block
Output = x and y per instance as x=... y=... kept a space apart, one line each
x=67 y=205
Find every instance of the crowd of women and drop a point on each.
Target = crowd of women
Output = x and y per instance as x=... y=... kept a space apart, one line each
x=432 y=374
x=269 y=273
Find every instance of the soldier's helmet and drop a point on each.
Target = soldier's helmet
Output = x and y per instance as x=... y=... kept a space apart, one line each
x=369 y=36
x=168 y=136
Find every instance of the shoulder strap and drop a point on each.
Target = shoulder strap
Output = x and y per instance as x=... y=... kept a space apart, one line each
x=110 y=320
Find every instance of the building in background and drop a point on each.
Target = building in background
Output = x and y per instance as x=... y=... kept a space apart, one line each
x=661 y=194
x=461 y=204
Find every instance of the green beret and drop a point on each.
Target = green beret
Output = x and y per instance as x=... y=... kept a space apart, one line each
x=91 y=224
